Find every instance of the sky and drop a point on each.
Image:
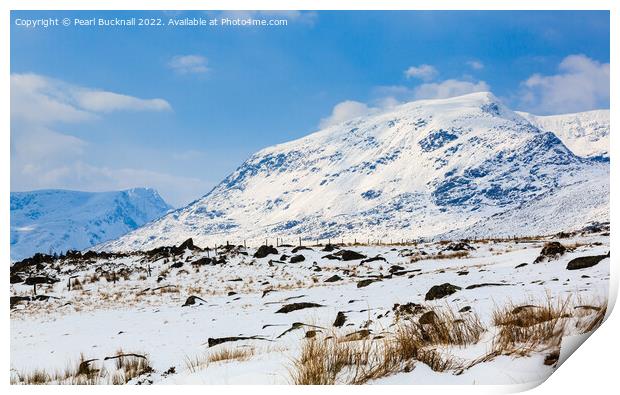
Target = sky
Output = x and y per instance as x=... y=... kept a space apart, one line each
x=178 y=108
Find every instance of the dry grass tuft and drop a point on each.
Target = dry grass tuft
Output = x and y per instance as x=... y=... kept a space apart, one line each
x=231 y=354
x=88 y=372
x=130 y=366
x=529 y=328
x=338 y=359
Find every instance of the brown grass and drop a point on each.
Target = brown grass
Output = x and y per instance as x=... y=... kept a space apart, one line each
x=440 y=255
x=338 y=359
x=86 y=372
x=525 y=329
x=130 y=367
x=231 y=354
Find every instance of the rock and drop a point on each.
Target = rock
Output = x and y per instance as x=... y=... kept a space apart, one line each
x=348 y=255
x=474 y=286
x=329 y=248
x=377 y=258
x=458 y=246
x=358 y=335
x=232 y=293
x=15 y=279
x=17 y=299
x=176 y=265
x=552 y=359
x=367 y=282
x=192 y=300
x=264 y=250
x=395 y=268
x=299 y=248
x=40 y=280
x=332 y=257
x=187 y=244
x=585 y=262
x=287 y=308
x=462 y=273
x=408 y=309
x=212 y=342
x=551 y=250
x=333 y=279
x=202 y=261
x=465 y=309
x=341 y=318
x=297 y=259
x=284 y=257
x=520 y=265
x=441 y=291
x=428 y=318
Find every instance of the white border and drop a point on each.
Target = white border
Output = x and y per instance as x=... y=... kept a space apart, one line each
x=593 y=368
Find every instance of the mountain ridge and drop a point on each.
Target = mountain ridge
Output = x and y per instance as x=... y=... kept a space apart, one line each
x=56 y=220
x=421 y=169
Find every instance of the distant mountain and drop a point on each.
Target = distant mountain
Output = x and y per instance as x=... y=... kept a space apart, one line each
x=58 y=220
x=465 y=165
x=585 y=133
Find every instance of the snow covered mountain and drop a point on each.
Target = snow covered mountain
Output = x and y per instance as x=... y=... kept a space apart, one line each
x=585 y=133
x=422 y=169
x=58 y=220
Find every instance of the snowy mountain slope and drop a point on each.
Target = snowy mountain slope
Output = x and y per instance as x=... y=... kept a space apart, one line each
x=585 y=133
x=422 y=169
x=59 y=220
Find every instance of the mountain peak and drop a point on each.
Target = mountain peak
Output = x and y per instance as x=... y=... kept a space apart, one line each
x=417 y=170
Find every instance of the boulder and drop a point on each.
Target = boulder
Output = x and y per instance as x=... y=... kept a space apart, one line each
x=441 y=291
x=287 y=308
x=192 y=300
x=458 y=246
x=551 y=250
x=299 y=248
x=333 y=279
x=367 y=282
x=341 y=318
x=265 y=250
x=297 y=259
x=584 y=262
x=348 y=255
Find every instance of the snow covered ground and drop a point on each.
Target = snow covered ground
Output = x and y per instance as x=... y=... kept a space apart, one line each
x=240 y=296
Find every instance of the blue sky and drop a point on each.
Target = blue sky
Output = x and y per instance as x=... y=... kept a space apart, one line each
x=177 y=108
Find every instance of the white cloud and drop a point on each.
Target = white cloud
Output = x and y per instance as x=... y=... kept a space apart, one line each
x=40 y=100
x=448 y=88
x=388 y=97
x=581 y=84
x=345 y=111
x=44 y=157
x=475 y=64
x=102 y=101
x=189 y=64
x=424 y=72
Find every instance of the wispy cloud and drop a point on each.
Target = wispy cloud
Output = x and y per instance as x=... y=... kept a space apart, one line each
x=42 y=156
x=41 y=100
x=448 y=88
x=424 y=72
x=345 y=111
x=581 y=84
x=475 y=64
x=189 y=64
